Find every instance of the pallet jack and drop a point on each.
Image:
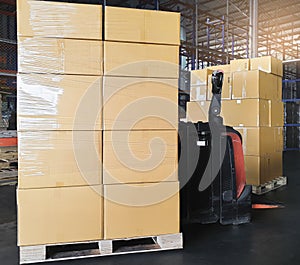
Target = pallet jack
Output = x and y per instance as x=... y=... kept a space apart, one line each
x=211 y=168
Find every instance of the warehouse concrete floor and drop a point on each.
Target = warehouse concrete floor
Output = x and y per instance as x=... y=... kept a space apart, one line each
x=273 y=237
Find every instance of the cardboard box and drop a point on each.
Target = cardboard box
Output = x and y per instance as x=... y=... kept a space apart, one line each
x=140 y=103
x=276 y=165
x=234 y=112
x=225 y=68
x=59 y=215
x=279 y=87
x=141 y=210
x=197 y=111
x=59 y=20
x=198 y=93
x=254 y=84
x=267 y=64
x=59 y=102
x=277 y=113
x=143 y=26
x=139 y=156
x=141 y=60
x=59 y=158
x=226 y=89
x=239 y=65
x=258 y=169
x=259 y=141
x=59 y=56
x=200 y=77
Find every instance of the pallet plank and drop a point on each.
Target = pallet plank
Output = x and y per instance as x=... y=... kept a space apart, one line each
x=269 y=186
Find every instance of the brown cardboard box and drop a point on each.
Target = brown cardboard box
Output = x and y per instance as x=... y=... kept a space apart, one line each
x=60 y=20
x=225 y=68
x=140 y=103
x=197 y=111
x=59 y=102
x=59 y=159
x=198 y=93
x=279 y=87
x=59 y=215
x=254 y=84
x=59 y=56
x=226 y=89
x=141 y=210
x=239 y=65
x=258 y=169
x=141 y=60
x=234 y=112
x=144 y=26
x=139 y=156
x=276 y=165
x=267 y=64
x=261 y=140
x=277 y=113
x=200 y=77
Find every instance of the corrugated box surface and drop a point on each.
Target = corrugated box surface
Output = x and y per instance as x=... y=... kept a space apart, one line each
x=261 y=140
x=267 y=64
x=141 y=210
x=59 y=158
x=198 y=93
x=226 y=89
x=140 y=103
x=200 y=77
x=254 y=84
x=277 y=113
x=239 y=65
x=225 y=68
x=59 y=20
x=59 y=102
x=141 y=60
x=234 y=112
x=139 y=156
x=59 y=56
x=59 y=215
x=144 y=26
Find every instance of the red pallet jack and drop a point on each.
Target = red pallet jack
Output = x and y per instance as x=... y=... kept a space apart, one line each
x=212 y=170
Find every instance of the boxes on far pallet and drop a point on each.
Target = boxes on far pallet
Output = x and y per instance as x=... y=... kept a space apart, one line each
x=200 y=77
x=141 y=60
x=276 y=165
x=132 y=103
x=141 y=210
x=225 y=68
x=255 y=84
x=59 y=102
x=277 y=113
x=226 y=89
x=239 y=65
x=144 y=26
x=59 y=56
x=261 y=140
x=59 y=215
x=59 y=158
x=267 y=64
x=59 y=20
x=139 y=156
x=258 y=169
x=198 y=93
x=234 y=112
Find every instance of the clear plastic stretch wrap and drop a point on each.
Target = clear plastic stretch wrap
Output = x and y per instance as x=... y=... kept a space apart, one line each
x=59 y=102
x=59 y=20
x=60 y=56
x=52 y=159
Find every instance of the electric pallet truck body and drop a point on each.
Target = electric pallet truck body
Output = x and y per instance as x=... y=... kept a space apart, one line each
x=211 y=168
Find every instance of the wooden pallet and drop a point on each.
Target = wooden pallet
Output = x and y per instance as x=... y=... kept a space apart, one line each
x=8 y=176
x=79 y=250
x=269 y=186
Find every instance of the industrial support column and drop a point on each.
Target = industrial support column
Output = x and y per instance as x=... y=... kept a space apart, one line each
x=253 y=30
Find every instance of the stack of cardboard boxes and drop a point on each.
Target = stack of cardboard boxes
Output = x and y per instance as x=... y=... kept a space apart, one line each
x=76 y=139
x=251 y=103
x=140 y=177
